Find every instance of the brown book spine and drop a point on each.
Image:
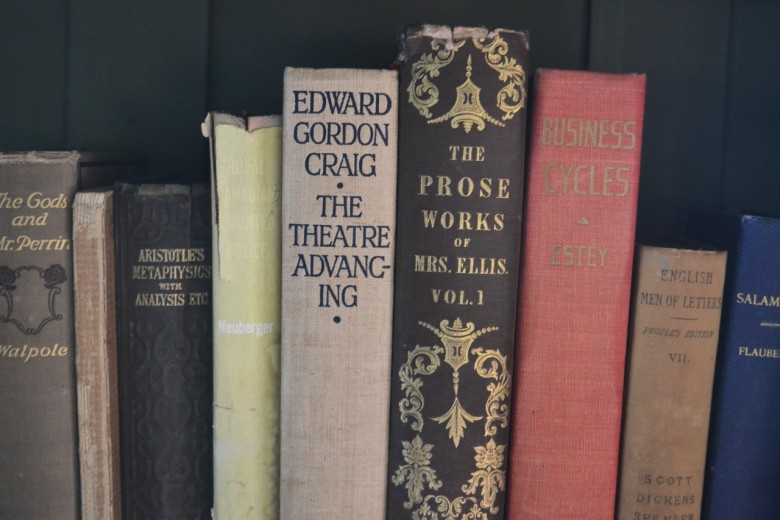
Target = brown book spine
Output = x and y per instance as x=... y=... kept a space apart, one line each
x=164 y=335
x=96 y=355
x=674 y=337
x=38 y=446
x=460 y=192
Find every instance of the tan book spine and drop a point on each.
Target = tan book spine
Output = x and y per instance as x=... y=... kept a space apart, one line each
x=674 y=336
x=338 y=227
x=96 y=355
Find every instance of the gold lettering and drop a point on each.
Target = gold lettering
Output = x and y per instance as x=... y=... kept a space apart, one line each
x=199 y=298
x=183 y=255
x=160 y=300
x=467 y=153
x=443 y=186
x=463 y=219
x=465 y=187
x=459 y=297
x=589 y=133
x=474 y=265
x=6 y=243
x=8 y=202
x=587 y=180
x=430 y=264
x=26 y=243
x=26 y=352
x=577 y=255
x=503 y=189
x=37 y=200
x=30 y=220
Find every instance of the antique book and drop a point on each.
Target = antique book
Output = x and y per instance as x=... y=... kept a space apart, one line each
x=743 y=474
x=163 y=235
x=460 y=193
x=97 y=374
x=39 y=472
x=246 y=207
x=675 y=320
x=583 y=179
x=338 y=230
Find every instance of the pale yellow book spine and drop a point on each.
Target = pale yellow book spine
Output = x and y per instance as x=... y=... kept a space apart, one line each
x=246 y=210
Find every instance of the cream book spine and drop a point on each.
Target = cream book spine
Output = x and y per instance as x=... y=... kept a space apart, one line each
x=339 y=178
x=246 y=212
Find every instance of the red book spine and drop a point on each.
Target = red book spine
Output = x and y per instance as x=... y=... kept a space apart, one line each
x=575 y=288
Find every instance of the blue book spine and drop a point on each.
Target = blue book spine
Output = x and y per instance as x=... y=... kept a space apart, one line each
x=742 y=478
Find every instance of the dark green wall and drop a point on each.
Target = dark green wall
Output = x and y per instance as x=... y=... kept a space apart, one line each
x=141 y=74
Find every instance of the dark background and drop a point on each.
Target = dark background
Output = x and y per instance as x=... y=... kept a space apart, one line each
x=141 y=74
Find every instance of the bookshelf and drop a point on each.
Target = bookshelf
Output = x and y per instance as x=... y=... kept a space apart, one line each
x=141 y=75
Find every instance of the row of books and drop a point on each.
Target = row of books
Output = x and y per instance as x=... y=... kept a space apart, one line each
x=403 y=324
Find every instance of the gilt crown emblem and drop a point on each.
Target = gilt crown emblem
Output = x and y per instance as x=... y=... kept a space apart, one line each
x=469 y=110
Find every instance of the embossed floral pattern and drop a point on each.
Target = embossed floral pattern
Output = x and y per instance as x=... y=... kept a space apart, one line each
x=416 y=473
x=489 y=457
x=489 y=478
x=446 y=509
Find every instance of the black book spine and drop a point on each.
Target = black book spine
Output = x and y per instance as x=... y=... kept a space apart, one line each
x=164 y=338
x=462 y=119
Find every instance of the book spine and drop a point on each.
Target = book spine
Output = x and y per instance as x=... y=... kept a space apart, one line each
x=96 y=355
x=575 y=287
x=246 y=243
x=743 y=474
x=164 y=337
x=38 y=438
x=338 y=227
x=677 y=304
x=460 y=193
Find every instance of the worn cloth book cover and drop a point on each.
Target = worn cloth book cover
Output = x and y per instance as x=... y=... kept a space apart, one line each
x=163 y=235
x=246 y=195
x=677 y=302
x=742 y=476
x=338 y=230
x=97 y=386
x=460 y=192
x=583 y=179
x=38 y=439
